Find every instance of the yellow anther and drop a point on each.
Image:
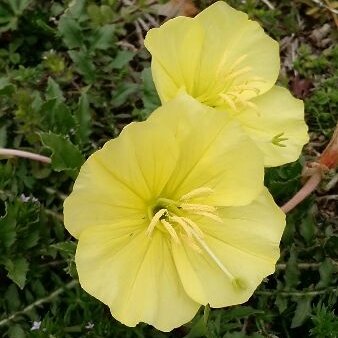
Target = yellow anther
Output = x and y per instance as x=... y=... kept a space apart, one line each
x=209 y=215
x=171 y=230
x=229 y=101
x=198 y=207
x=154 y=221
x=185 y=226
x=202 y=191
x=191 y=242
x=237 y=73
x=193 y=226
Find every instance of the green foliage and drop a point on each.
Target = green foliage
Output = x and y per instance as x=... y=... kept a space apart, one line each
x=72 y=75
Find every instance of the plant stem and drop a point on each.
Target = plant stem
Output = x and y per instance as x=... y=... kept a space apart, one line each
x=296 y=293
x=24 y=154
x=310 y=185
x=315 y=172
x=41 y=301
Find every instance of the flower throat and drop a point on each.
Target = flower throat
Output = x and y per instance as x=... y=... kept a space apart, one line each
x=172 y=217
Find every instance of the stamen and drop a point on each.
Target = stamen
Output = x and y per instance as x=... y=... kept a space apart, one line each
x=239 y=72
x=191 y=242
x=229 y=101
x=171 y=231
x=209 y=215
x=181 y=221
x=197 y=193
x=198 y=207
x=238 y=61
x=154 y=221
x=194 y=226
x=233 y=66
x=239 y=89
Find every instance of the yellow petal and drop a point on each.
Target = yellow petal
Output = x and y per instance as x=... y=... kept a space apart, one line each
x=214 y=153
x=247 y=244
x=232 y=39
x=134 y=275
x=117 y=181
x=217 y=54
x=173 y=66
x=276 y=125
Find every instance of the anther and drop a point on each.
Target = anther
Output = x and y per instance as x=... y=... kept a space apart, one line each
x=154 y=221
x=171 y=230
x=197 y=193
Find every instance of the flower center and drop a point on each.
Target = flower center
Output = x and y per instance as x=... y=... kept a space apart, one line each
x=235 y=93
x=174 y=218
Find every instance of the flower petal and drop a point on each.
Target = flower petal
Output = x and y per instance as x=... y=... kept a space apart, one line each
x=247 y=244
x=176 y=49
x=213 y=149
x=278 y=114
x=117 y=181
x=134 y=275
x=218 y=52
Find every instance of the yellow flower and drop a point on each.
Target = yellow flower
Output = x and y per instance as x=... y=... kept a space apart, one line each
x=170 y=216
x=226 y=61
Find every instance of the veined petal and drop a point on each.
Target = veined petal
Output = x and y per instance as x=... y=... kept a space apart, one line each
x=134 y=275
x=241 y=42
x=247 y=244
x=117 y=181
x=173 y=66
x=276 y=125
x=214 y=153
x=219 y=57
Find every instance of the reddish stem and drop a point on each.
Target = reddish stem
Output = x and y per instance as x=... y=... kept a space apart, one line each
x=24 y=154
x=310 y=185
x=315 y=171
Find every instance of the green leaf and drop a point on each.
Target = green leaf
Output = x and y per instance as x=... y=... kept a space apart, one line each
x=84 y=64
x=70 y=31
x=17 y=270
x=53 y=91
x=18 y=6
x=83 y=118
x=7 y=227
x=6 y=88
x=102 y=38
x=200 y=329
x=58 y=118
x=3 y=136
x=65 y=155
x=122 y=59
x=123 y=93
x=67 y=248
x=302 y=312
x=150 y=98
x=292 y=272
x=12 y=298
x=308 y=228
x=16 y=331
x=326 y=271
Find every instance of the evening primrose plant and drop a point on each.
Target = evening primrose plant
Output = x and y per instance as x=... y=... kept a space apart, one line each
x=167 y=221
x=173 y=214
x=226 y=61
